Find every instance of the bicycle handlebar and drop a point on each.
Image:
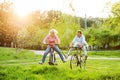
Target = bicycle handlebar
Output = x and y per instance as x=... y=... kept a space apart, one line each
x=76 y=47
x=49 y=44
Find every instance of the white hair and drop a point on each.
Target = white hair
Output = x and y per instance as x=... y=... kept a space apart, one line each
x=53 y=30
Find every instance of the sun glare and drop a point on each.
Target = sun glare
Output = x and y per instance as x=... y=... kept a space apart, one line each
x=21 y=11
x=82 y=7
x=23 y=7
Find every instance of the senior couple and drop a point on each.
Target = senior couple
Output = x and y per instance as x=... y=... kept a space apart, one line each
x=52 y=39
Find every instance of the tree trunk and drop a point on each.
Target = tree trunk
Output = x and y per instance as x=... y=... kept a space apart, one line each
x=16 y=49
x=12 y=45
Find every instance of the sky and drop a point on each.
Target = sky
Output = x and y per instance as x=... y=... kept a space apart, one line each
x=92 y=8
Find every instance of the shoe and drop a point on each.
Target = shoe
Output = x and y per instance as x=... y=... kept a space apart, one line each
x=66 y=56
x=51 y=63
x=40 y=62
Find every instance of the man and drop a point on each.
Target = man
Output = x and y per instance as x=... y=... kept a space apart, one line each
x=78 y=41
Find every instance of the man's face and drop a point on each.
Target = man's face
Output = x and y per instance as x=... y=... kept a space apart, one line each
x=79 y=34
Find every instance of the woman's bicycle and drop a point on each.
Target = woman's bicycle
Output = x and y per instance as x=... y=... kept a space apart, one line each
x=52 y=57
x=77 y=58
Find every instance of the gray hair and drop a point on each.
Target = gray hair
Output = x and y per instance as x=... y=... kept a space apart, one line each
x=53 y=30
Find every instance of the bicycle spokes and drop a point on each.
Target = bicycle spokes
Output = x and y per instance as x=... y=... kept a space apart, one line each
x=74 y=62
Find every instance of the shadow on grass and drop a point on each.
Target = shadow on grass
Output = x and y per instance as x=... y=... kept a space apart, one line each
x=45 y=70
x=110 y=77
x=2 y=75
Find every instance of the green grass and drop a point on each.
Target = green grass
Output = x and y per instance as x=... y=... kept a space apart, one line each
x=114 y=54
x=95 y=70
x=110 y=53
x=10 y=54
x=26 y=67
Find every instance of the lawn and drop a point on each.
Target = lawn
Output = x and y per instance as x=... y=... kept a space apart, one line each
x=107 y=53
x=27 y=68
x=10 y=54
x=110 y=53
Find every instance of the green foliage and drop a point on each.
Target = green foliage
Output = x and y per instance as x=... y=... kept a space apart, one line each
x=116 y=9
x=33 y=35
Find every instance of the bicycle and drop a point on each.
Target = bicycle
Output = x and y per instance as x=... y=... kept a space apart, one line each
x=77 y=59
x=52 y=58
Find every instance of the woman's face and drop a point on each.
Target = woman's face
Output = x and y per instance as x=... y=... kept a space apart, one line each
x=52 y=33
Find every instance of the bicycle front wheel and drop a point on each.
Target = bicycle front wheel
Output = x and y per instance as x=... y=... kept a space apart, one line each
x=74 y=61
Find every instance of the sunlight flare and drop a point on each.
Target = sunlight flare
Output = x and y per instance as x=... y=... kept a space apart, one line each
x=81 y=7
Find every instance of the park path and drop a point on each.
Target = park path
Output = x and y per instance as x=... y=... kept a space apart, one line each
x=39 y=52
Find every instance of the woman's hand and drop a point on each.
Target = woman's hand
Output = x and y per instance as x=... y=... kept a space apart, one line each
x=71 y=45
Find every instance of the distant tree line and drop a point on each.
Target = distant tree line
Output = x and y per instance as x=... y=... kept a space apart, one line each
x=29 y=32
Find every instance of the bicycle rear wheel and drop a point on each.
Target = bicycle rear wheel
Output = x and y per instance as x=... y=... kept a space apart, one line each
x=74 y=61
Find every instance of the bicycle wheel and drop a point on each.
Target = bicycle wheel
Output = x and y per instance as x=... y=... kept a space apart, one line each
x=74 y=61
x=82 y=62
x=52 y=59
x=55 y=63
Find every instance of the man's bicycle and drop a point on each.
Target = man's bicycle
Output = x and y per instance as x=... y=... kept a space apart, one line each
x=77 y=58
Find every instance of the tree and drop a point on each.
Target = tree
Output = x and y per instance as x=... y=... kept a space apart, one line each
x=116 y=9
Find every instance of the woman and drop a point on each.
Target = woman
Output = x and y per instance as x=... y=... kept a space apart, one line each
x=52 y=40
